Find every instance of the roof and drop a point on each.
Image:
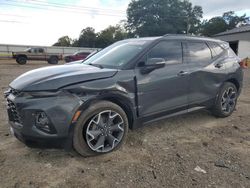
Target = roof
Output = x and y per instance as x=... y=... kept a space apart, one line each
x=189 y=37
x=175 y=37
x=241 y=29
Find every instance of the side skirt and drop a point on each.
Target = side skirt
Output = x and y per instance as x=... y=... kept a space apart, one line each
x=154 y=118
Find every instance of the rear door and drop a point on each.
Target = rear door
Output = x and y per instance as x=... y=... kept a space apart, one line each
x=41 y=54
x=164 y=89
x=206 y=72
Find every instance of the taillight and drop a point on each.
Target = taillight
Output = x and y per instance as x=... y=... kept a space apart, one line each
x=243 y=63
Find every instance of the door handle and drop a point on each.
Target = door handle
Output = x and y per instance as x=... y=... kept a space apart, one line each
x=182 y=73
x=218 y=65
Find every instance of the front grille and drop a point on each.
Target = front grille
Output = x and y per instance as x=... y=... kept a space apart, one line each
x=13 y=113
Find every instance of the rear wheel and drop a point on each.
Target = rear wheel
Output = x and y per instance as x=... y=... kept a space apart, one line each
x=53 y=60
x=102 y=128
x=226 y=101
x=21 y=60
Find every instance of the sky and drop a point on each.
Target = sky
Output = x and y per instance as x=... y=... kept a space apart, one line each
x=42 y=22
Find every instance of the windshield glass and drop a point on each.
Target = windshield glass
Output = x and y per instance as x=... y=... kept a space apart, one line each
x=118 y=54
x=28 y=50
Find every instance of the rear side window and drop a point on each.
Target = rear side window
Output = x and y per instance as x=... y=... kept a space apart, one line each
x=40 y=50
x=216 y=49
x=83 y=53
x=198 y=52
x=170 y=51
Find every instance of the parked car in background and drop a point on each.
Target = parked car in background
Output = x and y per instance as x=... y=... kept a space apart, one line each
x=91 y=105
x=36 y=54
x=76 y=56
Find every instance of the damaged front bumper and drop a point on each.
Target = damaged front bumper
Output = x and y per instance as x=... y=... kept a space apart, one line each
x=42 y=118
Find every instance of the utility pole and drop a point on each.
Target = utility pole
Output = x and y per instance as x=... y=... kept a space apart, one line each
x=188 y=25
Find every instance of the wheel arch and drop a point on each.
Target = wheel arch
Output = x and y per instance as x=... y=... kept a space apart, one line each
x=125 y=106
x=235 y=82
x=53 y=56
x=117 y=99
x=21 y=55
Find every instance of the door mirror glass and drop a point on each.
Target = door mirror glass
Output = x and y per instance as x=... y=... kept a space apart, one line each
x=152 y=64
x=153 y=61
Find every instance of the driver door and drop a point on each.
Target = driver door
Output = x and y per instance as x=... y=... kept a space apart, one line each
x=165 y=89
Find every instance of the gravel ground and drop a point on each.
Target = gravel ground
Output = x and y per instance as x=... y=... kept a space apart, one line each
x=192 y=150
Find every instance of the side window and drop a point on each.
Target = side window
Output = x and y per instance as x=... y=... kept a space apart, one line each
x=198 y=52
x=216 y=49
x=170 y=51
x=40 y=50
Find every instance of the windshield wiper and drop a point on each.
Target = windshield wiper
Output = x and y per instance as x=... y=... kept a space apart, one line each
x=96 y=65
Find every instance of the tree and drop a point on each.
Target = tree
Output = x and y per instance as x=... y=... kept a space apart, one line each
x=110 y=35
x=233 y=20
x=222 y=23
x=87 y=38
x=63 y=41
x=159 y=17
x=213 y=26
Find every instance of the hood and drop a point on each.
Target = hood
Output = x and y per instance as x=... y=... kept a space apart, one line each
x=75 y=62
x=55 y=77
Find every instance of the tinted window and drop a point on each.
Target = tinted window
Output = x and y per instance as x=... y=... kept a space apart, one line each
x=118 y=54
x=216 y=49
x=170 y=51
x=83 y=53
x=40 y=50
x=198 y=52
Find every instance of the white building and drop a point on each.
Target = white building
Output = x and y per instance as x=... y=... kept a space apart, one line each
x=239 y=40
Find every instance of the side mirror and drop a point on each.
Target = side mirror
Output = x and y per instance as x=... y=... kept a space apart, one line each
x=152 y=64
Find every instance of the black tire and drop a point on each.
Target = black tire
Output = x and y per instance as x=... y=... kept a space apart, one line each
x=53 y=60
x=221 y=108
x=22 y=60
x=80 y=136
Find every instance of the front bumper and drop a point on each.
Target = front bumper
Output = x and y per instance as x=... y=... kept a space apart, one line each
x=60 y=109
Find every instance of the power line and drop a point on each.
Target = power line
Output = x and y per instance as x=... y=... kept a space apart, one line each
x=11 y=21
x=79 y=7
x=13 y=15
x=63 y=9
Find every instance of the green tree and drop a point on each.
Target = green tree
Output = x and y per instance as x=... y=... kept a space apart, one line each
x=222 y=23
x=63 y=41
x=87 y=38
x=110 y=35
x=159 y=17
x=213 y=26
x=233 y=20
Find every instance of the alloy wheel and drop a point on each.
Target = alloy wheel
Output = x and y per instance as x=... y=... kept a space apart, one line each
x=105 y=131
x=228 y=100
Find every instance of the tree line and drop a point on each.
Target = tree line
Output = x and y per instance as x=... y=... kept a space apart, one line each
x=155 y=18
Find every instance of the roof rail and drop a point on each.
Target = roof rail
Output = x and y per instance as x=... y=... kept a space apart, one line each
x=178 y=35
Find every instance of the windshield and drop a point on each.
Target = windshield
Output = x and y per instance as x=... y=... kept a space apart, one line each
x=28 y=50
x=118 y=54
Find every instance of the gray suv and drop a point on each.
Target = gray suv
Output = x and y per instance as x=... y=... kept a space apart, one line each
x=90 y=105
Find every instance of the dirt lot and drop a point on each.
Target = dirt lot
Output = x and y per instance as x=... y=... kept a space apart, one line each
x=164 y=154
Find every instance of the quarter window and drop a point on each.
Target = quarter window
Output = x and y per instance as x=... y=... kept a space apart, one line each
x=216 y=49
x=170 y=51
x=198 y=52
x=40 y=50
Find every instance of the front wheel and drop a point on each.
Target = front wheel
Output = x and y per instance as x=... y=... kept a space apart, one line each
x=102 y=128
x=226 y=100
